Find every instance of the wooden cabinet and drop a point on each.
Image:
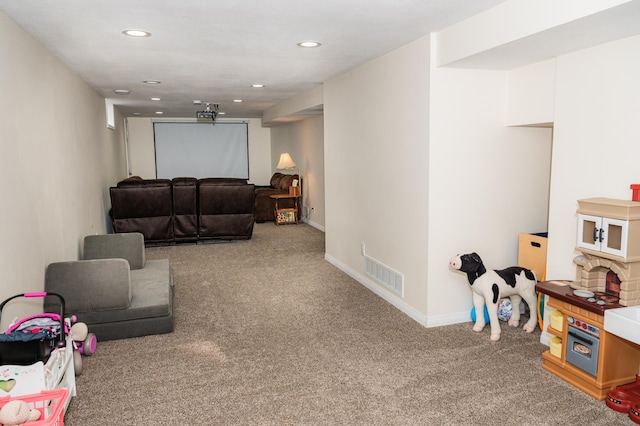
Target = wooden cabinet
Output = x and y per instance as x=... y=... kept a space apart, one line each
x=609 y=228
x=603 y=234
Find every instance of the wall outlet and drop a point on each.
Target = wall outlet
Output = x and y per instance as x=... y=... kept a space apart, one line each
x=362 y=250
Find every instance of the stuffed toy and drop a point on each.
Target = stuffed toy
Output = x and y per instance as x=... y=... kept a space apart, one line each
x=78 y=332
x=488 y=287
x=17 y=412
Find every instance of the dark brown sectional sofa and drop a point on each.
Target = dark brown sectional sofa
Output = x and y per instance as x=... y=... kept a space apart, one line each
x=183 y=209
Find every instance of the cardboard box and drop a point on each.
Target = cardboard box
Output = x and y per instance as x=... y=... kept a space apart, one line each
x=555 y=347
x=532 y=253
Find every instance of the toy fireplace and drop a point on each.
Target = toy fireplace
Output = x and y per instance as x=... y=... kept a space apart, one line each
x=609 y=239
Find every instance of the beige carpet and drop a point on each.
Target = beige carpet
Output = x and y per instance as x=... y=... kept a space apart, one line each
x=269 y=333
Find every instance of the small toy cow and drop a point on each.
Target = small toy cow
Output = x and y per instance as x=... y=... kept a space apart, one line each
x=490 y=286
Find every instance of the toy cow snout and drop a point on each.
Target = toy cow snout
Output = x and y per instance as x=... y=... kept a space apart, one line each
x=455 y=262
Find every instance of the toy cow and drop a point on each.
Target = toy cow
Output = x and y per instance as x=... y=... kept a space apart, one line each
x=490 y=286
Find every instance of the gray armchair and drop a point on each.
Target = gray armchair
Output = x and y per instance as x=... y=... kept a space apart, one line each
x=114 y=289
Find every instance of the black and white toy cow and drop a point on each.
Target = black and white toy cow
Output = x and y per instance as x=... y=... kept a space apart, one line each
x=490 y=286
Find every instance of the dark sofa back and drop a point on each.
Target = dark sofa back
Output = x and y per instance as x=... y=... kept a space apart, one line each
x=143 y=206
x=225 y=211
x=185 y=208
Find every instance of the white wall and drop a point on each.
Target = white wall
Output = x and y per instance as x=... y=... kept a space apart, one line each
x=488 y=183
x=376 y=169
x=420 y=167
x=531 y=94
x=304 y=141
x=142 y=150
x=596 y=149
x=56 y=165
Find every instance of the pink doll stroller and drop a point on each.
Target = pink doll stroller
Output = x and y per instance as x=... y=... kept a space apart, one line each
x=34 y=338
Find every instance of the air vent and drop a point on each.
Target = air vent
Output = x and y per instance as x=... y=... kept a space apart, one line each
x=386 y=276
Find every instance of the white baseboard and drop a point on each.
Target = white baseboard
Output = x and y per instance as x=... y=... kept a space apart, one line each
x=411 y=312
x=314 y=224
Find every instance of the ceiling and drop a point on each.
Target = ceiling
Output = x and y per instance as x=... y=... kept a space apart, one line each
x=214 y=51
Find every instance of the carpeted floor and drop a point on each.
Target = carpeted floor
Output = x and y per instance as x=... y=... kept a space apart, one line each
x=269 y=333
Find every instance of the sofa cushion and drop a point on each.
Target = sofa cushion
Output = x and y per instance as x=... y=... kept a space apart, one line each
x=275 y=180
x=90 y=285
x=136 y=182
x=129 y=246
x=287 y=181
x=222 y=181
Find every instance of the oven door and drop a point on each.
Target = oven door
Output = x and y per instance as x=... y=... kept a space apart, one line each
x=582 y=350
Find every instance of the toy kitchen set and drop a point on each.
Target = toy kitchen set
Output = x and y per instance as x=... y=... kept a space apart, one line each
x=594 y=321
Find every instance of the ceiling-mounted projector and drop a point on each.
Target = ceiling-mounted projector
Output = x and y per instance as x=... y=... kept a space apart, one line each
x=211 y=111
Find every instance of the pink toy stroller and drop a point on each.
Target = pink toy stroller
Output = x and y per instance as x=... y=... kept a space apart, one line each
x=33 y=338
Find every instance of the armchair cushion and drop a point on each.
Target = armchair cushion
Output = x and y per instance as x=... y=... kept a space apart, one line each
x=129 y=246
x=90 y=285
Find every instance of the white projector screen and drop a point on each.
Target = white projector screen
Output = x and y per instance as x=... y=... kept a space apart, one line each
x=201 y=150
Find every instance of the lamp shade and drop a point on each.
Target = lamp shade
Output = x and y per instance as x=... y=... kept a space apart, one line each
x=286 y=162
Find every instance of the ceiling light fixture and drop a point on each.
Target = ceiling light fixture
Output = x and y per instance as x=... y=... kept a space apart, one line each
x=210 y=111
x=136 y=33
x=258 y=86
x=155 y=99
x=122 y=91
x=309 y=43
x=237 y=100
x=197 y=102
x=159 y=112
x=152 y=82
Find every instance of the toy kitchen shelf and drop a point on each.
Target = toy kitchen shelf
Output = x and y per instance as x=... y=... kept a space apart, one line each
x=617 y=359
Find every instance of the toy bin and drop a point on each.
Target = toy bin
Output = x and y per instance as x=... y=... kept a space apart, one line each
x=532 y=253
x=557 y=320
x=50 y=403
x=555 y=347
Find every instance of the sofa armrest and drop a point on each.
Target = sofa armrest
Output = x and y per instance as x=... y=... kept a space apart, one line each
x=129 y=246
x=90 y=285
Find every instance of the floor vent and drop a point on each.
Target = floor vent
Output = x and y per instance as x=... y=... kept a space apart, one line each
x=386 y=276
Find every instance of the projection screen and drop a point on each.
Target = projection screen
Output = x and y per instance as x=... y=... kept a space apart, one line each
x=201 y=150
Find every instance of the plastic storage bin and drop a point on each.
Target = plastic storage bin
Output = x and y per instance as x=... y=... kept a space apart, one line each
x=50 y=403
x=555 y=346
x=557 y=320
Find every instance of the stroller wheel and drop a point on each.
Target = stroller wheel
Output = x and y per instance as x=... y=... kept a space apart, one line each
x=89 y=345
x=77 y=363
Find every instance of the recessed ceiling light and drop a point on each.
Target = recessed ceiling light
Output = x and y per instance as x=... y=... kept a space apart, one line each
x=257 y=85
x=122 y=91
x=136 y=113
x=136 y=33
x=237 y=100
x=309 y=43
x=152 y=82
x=197 y=102
x=221 y=113
x=155 y=99
x=159 y=112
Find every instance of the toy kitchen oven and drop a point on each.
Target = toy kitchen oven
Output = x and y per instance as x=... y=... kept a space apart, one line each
x=607 y=276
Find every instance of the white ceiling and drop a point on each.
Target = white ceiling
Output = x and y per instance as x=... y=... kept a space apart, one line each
x=215 y=50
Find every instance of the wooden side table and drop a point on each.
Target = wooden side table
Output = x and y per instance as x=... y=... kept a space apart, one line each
x=286 y=216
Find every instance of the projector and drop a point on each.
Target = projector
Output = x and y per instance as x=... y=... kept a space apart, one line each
x=206 y=114
x=211 y=111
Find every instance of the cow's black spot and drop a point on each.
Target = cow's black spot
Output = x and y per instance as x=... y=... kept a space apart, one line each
x=509 y=275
